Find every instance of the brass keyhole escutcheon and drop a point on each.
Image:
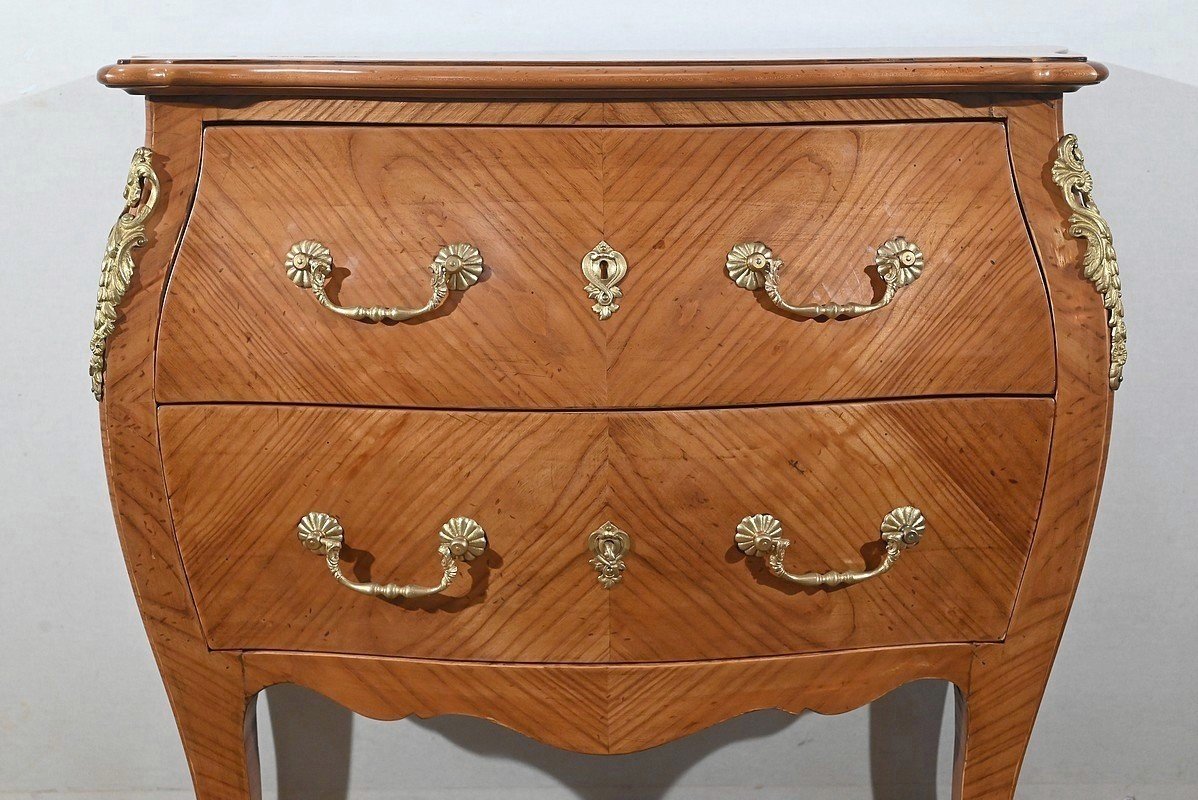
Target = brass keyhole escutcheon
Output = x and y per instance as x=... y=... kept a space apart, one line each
x=609 y=545
x=604 y=268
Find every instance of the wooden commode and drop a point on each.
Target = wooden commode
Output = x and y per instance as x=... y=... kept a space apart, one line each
x=606 y=400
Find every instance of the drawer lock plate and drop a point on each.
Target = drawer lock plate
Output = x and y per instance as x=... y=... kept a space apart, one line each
x=604 y=268
x=609 y=545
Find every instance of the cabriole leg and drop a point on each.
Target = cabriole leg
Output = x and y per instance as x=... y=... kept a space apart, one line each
x=218 y=726
x=994 y=724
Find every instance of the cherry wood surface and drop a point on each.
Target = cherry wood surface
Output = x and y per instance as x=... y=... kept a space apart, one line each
x=683 y=481
x=614 y=112
x=610 y=708
x=206 y=689
x=678 y=483
x=240 y=478
x=1008 y=681
x=672 y=201
x=385 y=201
x=1000 y=683
x=604 y=79
x=823 y=198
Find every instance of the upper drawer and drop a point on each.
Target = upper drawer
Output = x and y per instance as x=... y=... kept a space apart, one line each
x=673 y=201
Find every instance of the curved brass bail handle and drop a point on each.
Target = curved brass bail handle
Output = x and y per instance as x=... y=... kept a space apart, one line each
x=461 y=539
x=752 y=266
x=760 y=536
x=457 y=266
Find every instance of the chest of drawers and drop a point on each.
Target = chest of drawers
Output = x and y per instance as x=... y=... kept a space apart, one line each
x=606 y=401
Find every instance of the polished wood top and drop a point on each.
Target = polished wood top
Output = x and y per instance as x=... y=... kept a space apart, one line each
x=894 y=73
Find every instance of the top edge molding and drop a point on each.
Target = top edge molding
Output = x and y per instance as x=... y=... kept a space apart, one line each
x=583 y=79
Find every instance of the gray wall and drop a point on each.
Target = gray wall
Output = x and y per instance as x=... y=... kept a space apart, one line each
x=82 y=711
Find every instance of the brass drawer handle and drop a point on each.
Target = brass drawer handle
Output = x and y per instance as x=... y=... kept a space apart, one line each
x=760 y=536
x=461 y=539
x=457 y=266
x=752 y=266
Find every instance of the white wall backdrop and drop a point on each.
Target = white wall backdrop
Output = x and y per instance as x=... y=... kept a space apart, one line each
x=82 y=711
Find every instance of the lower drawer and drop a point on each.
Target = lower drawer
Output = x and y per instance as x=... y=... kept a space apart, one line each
x=678 y=483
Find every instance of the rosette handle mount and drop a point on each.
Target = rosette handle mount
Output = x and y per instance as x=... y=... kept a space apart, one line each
x=457 y=267
x=752 y=266
x=760 y=536
x=460 y=539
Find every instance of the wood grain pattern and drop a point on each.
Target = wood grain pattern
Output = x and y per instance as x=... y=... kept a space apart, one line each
x=739 y=111
x=682 y=481
x=824 y=198
x=1008 y=681
x=622 y=707
x=673 y=201
x=240 y=477
x=206 y=689
x=609 y=709
x=475 y=80
x=385 y=201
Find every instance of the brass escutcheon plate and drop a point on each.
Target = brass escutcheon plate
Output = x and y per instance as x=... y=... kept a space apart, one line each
x=604 y=268
x=609 y=545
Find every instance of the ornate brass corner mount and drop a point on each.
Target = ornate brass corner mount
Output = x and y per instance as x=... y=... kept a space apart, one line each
x=1101 y=266
x=752 y=266
x=609 y=544
x=116 y=270
x=604 y=268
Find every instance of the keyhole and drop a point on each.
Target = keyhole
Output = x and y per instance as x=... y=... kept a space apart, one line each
x=603 y=268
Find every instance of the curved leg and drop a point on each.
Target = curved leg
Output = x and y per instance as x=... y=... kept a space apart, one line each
x=207 y=690
x=1007 y=680
x=217 y=723
x=994 y=724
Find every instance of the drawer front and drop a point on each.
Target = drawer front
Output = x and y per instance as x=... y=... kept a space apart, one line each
x=974 y=468
x=534 y=201
x=677 y=483
x=823 y=199
x=241 y=478
x=384 y=201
